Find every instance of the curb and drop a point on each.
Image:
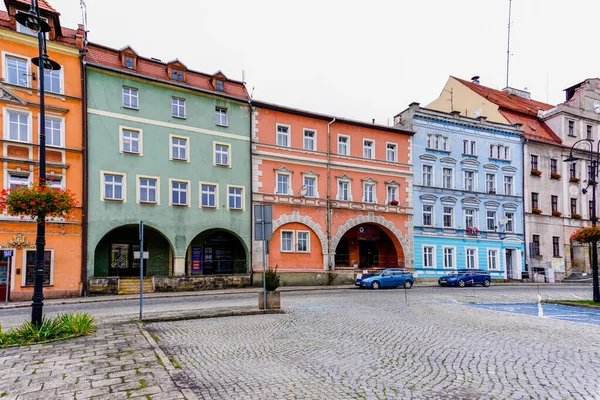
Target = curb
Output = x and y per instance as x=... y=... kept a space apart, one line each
x=568 y=303
x=217 y=314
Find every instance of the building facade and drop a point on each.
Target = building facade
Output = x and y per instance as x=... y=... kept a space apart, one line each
x=20 y=103
x=171 y=147
x=467 y=194
x=341 y=192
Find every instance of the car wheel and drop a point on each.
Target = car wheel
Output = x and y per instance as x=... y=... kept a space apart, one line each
x=407 y=284
x=375 y=285
x=462 y=283
x=486 y=283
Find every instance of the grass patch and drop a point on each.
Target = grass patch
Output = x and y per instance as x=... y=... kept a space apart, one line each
x=174 y=362
x=584 y=302
x=3 y=394
x=62 y=326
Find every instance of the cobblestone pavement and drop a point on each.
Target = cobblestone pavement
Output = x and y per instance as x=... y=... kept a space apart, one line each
x=116 y=362
x=357 y=344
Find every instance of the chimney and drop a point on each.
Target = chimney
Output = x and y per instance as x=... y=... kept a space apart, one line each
x=524 y=94
x=475 y=79
x=373 y=120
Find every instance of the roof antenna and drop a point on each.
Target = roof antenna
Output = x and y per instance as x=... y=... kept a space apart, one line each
x=243 y=77
x=252 y=94
x=508 y=46
x=84 y=20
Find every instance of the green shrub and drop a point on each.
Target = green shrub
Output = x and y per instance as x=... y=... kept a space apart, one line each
x=271 y=279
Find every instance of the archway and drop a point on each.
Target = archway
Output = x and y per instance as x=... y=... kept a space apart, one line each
x=216 y=252
x=115 y=253
x=366 y=246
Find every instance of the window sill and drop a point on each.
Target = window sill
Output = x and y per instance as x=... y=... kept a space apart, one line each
x=178 y=117
x=180 y=159
x=130 y=153
x=113 y=200
x=131 y=108
x=222 y=165
x=152 y=203
x=223 y=126
x=208 y=207
x=179 y=205
x=440 y=150
x=235 y=209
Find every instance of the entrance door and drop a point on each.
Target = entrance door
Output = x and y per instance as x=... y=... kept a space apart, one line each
x=509 y=264
x=4 y=279
x=368 y=253
x=122 y=262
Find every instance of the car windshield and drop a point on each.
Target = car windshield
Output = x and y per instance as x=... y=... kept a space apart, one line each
x=374 y=272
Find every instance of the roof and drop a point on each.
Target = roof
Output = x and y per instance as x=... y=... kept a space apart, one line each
x=67 y=35
x=532 y=127
x=103 y=56
x=43 y=4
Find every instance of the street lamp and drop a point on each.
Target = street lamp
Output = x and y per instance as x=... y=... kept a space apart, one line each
x=32 y=20
x=594 y=160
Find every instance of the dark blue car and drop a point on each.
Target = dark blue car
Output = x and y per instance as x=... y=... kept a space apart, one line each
x=389 y=277
x=466 y=277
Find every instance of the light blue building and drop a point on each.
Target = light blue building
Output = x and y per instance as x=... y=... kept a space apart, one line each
x=467 y=193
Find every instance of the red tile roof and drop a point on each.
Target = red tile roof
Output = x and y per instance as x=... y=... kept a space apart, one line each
x=43 y=4
x=107 y=57
x=67 y=35
x=532 y=127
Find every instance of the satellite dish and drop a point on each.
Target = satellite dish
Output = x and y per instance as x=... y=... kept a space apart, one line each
x=503 y=220
x=477 y=112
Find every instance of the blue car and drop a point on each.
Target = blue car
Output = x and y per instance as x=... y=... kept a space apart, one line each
x=389 y=277
x=466 y=277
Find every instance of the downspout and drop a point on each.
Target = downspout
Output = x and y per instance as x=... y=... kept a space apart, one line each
x=329 y=265
x=84 y=207
x=526 y=243
x=251 y=195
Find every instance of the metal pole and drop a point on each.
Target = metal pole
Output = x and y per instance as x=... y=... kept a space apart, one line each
x=141 y=268
x=7 y=281
x=264 y=255
x=596 y=289
x=40 y=241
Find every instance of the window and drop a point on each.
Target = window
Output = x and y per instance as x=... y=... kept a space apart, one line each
x=343 y=145
x=113 y=187
x=178 y=108
x=130 y=141
x=471 y=256
x=129 y=62
x=469 y=218
x=449 y=257
x=491 y=220
x=16 y=180
x=536 y=245
x=179 y=148
x=490 y=183
x=283 y=183
x=555 y=246
x=553 y=166
x=499 y=152
x=469 y=180
x=309 y=186
x=221 y=154
x=283 y=135
x=573 y=170
x=221 y=116
x=179 y=193
x=427 y=215
x=437 y=142
x=447 y=177
x=369 y=193
x=554 y=202
x=508 y=185
x=573 y=206
x=589 y=132
x=428 y=257
x=390 y=152
x=535 y=200
x=220 y=86
x=368 y=149
x=534 y=162
x=493 y=259
x=287 y=241
x=177 y=75
x=510 y=222
x=448 y=217
x=208 y=195
x=52 y=81
x=27 y=31
x=302 y=241
x=427 y=175
x=147 y=190
x=53 y=128
x=236 y=197
x=18 y=126
x=309 y=140
x=392 y=193
x=17 y=70
x=30 y=268
x=571 y=128
x=343 y=192
x=130 y=97
x=469 y=147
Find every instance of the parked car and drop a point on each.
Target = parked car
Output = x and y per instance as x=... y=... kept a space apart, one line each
x=389 y=277
x=466 y=277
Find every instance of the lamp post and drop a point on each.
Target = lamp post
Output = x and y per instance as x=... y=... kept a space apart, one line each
x=594 y=158
x=34 y=22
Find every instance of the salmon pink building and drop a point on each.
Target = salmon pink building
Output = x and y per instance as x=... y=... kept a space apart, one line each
x=341 y=194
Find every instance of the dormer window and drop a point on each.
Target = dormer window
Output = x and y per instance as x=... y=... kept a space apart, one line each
x=129 y=62
x=177 y=75
x=220 y=86
x=128 y=58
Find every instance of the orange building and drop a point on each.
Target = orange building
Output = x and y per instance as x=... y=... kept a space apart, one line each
x=20 y=103
x=341 y=192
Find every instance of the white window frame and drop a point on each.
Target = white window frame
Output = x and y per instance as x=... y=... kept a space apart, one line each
x=347 y=182
x=219 y=119
x=24 y=264
x=451 y=186
x=187 y=148
x=315 y=186
x=475 y=257
x=6 y=111
x=512 y=182
x=474 y=188
x=288 y=135
x=289 y=183
x=490 y=185
x=188 y=192
x=475 y=212
x=487 y=220
x=179 y=104
x=496 y=259
x=243 y=199
x=431 y=175
x=370 y=148
x=61 y=80
x=23 y=174
x=433 y=256
x=387 y=192
x=216 y=186
x=137 y=97
x=138 y=190
x=432 y=214
x=222 y=144
x=123 y=176
x=347 y=144
x=314 y=139
x=298 y=241
x=62 y=129
x=444 y=259
x=373 y=186
x=471 y=147
x=5 y=57
x=291 y=249
x=512 y=220
x=140 y=140
x=444 y=215
x=395 y=151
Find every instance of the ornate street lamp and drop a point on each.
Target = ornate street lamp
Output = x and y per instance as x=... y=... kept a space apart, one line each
x=32 y=20
x=594 y=158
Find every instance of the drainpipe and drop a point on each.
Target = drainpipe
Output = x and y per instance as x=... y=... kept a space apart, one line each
x=329 y=266
x=84 y=207
x=526 y=243
x=251 y=196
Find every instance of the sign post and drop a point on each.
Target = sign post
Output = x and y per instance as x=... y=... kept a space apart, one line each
x=7 y=254
x=141 y=268
x=263 y=231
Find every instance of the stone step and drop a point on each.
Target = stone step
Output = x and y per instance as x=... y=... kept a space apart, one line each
x=132 y=286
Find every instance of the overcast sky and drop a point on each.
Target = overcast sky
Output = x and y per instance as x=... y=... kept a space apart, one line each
x=358 y=59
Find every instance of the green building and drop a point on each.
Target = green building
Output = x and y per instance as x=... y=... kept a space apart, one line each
x=170 y=147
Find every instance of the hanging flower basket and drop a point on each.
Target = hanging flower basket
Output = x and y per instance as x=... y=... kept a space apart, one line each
x=38 y=199
x=587 y=235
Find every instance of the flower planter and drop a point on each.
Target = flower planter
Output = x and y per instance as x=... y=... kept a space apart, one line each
x=554 y=175
x=273 y=300
x=575 y=216
x=536 y=172
x=556 y=214
x=536 y=211
x=574 y=180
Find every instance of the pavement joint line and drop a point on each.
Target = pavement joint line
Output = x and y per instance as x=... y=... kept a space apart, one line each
x=216 y=314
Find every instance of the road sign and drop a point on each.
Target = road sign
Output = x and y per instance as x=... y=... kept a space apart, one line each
x=263 y=222
x=8 y=253
x=136 y=255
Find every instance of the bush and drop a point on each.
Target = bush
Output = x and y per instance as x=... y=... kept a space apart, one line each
x=271 y=279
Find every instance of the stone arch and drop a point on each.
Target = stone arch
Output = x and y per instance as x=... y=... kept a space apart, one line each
x=306 y=220
x=405 y=247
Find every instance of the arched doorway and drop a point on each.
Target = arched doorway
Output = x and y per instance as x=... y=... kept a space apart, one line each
x=366 y=246
x=115 y=253
x=216 y=251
